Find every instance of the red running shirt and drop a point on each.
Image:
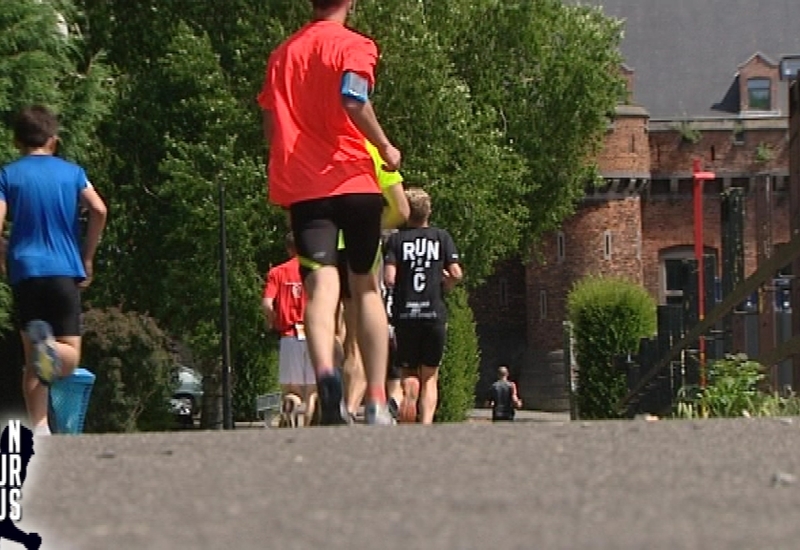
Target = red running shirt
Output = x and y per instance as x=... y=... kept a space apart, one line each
x=315 y=149
x=285 y=287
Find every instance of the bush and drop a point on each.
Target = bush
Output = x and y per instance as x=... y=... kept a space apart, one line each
x=733 y=390
x=609 y=317
x=459 y=371
x=5 y=307
x=128 y=353
x=255 y=373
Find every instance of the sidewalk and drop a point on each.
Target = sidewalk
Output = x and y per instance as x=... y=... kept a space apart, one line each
x=485 y=415
x=475 y=415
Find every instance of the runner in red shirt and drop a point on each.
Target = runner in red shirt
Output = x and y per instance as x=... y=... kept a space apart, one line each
x=317 y=114
x=284 y=303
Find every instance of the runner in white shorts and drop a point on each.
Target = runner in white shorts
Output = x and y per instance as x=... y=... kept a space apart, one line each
x=284 y=303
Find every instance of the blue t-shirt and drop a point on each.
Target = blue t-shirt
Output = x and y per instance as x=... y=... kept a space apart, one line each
x=43 y=197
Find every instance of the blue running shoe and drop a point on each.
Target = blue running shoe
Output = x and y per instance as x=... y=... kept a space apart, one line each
x=46 y=362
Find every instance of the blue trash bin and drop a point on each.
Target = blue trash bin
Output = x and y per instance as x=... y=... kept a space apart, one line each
x=69 y=401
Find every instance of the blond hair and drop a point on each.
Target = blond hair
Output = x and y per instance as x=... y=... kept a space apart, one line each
x=419 y=203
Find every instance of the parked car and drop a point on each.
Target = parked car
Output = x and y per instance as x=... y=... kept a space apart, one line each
x=187 y=397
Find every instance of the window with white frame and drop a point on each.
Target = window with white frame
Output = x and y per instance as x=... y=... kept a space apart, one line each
x=639 y=245
x=673 y=273
x=607 y=250
x=561 y=246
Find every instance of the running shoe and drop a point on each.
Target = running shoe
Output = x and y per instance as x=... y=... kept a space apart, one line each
x=333 y=411
x=378 y=415
x=46 y=362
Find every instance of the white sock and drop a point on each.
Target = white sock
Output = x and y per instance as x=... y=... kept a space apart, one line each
x=44 y=429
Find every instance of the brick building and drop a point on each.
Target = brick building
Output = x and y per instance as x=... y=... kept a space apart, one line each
x=701 y=85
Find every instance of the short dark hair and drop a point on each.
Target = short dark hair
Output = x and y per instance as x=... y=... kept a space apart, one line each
x=326 y=4
x=35 y=125
x=289 y=240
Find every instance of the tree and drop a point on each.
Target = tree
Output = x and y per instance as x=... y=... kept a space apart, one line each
x=128 y=353
x=610 y=317
x=551 y=72
x=193 y=142
x=461 y=362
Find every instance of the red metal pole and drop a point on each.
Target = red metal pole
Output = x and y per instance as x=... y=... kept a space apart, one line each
x=699 y=178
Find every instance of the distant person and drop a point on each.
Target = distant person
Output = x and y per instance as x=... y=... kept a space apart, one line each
x=503 y=398
x=284 y=303
x=421 y=262
x=47 y=268
x=317 y=117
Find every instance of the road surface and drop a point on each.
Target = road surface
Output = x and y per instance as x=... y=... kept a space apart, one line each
x=672 y=485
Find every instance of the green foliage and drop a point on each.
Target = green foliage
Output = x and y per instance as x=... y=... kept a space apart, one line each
x=764 y=152
x=128 y=354
x=5 y=308
x=550 y=71
x=733 y=390
x=688 y=132
x=201 y=157
x=609 y=317
x=256 y=373
x=191 y=149
x=40 y=65
x=459 y=371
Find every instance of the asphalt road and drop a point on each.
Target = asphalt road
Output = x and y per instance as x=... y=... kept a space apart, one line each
x=724 y=484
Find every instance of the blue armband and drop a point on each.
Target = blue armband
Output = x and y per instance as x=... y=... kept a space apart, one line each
x=355 y=87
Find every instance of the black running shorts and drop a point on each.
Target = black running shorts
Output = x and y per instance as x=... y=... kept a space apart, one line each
x=316 y=224
x=420 y=343
x=56 y=300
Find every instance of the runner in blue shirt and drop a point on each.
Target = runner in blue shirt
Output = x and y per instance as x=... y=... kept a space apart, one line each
x=42 y=195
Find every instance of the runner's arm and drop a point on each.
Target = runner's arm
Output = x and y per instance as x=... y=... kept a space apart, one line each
x=514 y=397
x=489 y=399
x=355 y=101
x=390 y=262
x=91 y=201
x=452 y=269
x=397 y=216
x=363 y=116
x=268 y=299
x=389 y=275
x=452 y=276
x=268 y=307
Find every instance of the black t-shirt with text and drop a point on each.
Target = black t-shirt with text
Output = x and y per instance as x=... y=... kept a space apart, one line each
x=421 y=255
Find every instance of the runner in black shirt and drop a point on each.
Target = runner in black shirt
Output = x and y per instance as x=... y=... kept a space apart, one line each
x=503 y=397
x=420 y=263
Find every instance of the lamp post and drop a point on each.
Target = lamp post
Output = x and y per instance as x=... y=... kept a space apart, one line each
x=227 y=419
x=699 y=177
